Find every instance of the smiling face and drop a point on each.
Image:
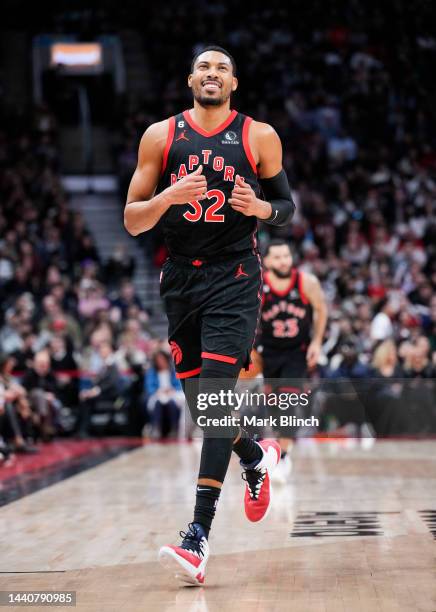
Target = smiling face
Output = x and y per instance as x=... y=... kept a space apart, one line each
x=212 y=80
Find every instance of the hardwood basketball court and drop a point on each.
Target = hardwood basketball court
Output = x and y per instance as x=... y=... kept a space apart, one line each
x=355 y=529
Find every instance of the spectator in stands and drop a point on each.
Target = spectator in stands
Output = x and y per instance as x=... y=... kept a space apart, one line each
x=43 y=390
x=92 y=299
x=126 y=298
x=417 y=363
x=119 y=266
x=20 y=423
x=25 y=354
x=85 y=249
x=105 y=388
x=387 y=408
x=56 y=321
x=381 y=326
x=385 y=361
x=164 y=396
x=65 y=368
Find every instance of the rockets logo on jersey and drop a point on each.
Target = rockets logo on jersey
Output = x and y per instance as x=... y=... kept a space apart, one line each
x=209 y=227
x=286 y=317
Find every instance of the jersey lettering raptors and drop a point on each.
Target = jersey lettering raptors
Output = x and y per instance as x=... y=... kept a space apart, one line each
x=210 y=227
x=286 y=318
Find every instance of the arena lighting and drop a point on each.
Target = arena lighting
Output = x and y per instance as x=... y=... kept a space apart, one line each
x=76 y=54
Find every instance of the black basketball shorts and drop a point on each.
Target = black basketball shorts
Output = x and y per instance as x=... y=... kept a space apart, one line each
x=285 y=371
x=212 y=310
x=289 y=365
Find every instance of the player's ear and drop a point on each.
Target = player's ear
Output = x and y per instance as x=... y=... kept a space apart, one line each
x=234 y=84
x=190 y=80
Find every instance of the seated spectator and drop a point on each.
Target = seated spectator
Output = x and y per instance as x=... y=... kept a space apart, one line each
x=128 y=351
x=349 y=365
x=164 y=396
x=85 y=249
x=55 y=320
x=386 y=407
x=385 y=361
x=381 y=326
x=127 y=297
x=65 y=368
x=119 y=266
x=92 y=299
x=105 y=387
x=43 y=390
x=20 y=424
x=417 y=363
x=24 y=356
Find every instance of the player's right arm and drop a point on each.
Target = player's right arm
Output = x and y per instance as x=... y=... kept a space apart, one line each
x=143 y=208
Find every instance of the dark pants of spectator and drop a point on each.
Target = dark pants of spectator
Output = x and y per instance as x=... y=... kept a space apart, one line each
x=48 y=412
x=14 y=426
x=165 y=417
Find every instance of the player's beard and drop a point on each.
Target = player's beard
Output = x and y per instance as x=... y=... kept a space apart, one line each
x=281 y=273
x=209 y=101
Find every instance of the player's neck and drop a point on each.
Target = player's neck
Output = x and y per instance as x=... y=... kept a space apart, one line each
x=278 y=283
x=209 y=117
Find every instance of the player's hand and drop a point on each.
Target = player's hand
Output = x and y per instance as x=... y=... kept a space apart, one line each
x=191 y=187
x=244 y=200
x=313 y=354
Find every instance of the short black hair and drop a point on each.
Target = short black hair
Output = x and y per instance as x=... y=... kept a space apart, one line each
x=276 y=242
x=214 y=48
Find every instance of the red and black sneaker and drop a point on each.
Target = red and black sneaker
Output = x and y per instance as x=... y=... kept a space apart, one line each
x=258 y=481
x=188 y=561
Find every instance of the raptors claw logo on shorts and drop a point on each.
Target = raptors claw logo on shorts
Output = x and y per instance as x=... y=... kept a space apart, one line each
x=176 y=352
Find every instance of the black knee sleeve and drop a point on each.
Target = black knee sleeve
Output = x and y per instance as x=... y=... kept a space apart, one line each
x=215 y=458
x=216 y=378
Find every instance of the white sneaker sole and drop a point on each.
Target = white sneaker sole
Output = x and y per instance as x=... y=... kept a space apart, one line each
x=179 y=567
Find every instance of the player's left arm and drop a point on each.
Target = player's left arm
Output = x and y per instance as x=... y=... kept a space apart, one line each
x=314 y=293
x=278 y=206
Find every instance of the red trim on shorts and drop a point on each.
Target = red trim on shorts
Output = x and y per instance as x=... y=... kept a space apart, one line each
x=290 y=389
x=189 y=373
x=218 y=357
x=217 y=130
x=246 y=144
x=300 y=288
x=285 y=291
x=170 y=138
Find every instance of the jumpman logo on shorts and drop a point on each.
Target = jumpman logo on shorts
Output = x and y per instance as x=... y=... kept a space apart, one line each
x=240 y=272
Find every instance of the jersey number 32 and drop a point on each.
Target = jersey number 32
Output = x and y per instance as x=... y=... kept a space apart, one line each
x=211 y=214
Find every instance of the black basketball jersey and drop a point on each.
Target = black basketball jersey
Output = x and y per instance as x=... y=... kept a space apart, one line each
x=210 y=227
x=286 y=317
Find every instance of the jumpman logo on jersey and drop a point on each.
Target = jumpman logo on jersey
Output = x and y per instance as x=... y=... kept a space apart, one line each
x=182 y=136
x=240 y=272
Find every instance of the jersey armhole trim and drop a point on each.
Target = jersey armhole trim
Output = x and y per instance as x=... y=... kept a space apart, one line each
x=300 y=289
x=170 y=138
x=246 y=144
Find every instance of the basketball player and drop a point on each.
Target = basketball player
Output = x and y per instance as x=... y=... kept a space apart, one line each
x=200 y=174
x=292 y=326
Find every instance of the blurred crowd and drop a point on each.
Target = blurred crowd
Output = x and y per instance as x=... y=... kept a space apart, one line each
x=351 y=92
x=75 y=339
